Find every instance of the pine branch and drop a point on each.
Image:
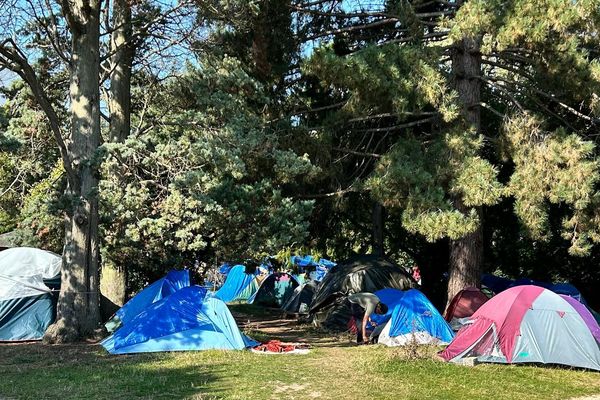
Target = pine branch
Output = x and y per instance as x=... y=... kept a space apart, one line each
x=357 y=153
x=398 y=127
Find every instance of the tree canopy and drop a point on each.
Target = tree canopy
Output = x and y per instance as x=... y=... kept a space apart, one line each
x=457 y=135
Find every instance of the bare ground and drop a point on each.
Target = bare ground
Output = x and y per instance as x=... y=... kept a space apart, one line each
x=278 y=326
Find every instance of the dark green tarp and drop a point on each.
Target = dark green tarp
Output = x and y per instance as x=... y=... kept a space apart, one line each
x=331 y=309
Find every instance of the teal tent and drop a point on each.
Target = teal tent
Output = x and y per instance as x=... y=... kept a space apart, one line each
x=274 y=290
x=29 y=284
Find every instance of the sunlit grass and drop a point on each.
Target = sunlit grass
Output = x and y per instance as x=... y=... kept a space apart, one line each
x=74 y=372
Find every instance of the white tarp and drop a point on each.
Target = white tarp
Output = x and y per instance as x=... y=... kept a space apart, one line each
x=23 y=269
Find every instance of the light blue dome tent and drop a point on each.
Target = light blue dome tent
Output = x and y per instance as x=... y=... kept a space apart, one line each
x=27 y=301
x=186 y=319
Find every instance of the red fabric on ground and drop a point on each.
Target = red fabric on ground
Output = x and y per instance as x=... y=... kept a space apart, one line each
x=276 y=346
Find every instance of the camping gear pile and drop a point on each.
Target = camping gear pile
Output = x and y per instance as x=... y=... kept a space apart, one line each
x=29 y=285
x=171 y=315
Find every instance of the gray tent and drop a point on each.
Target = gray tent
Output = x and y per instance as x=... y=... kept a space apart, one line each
x=330 y=307
x=303 y=294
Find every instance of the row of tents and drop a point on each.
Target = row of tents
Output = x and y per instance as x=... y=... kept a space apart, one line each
x=523 y=323
x=518 y=322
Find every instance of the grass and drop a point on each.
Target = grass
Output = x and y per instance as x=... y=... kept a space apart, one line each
x=34 y=371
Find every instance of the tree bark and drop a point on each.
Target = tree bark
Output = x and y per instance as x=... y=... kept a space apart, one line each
x=466 y=254
x=113 y=280
x=120 y=77
x=378 y=228
x=78 y=313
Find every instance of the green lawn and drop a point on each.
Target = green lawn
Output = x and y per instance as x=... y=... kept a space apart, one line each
x=35 y=371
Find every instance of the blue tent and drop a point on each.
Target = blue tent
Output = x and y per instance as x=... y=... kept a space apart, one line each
x=185 y=320
x=499 y=284
x=237 y=282
x=415 y=319
x=390 y=297
x=172 y=282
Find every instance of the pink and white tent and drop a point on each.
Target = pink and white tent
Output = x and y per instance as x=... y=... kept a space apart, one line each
x=528 y=324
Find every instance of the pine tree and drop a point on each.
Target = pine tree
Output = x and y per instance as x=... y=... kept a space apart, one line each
x=419 y=73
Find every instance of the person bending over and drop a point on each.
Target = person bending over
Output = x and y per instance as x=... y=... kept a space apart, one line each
x=369 y=304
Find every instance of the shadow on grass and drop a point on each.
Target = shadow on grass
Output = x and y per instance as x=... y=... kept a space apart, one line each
x=35 y=371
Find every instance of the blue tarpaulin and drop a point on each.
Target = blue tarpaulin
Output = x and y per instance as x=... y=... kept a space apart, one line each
x=225 y=268
x=389 y=297
x=172 y=282
x=415 y=313
x=236 y=283
x=320 y=268
x=185 y=320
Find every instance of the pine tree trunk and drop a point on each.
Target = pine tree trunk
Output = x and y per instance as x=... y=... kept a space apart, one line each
x=113 y=280
x=378 y=225
x=78 y=313
x=120 y=78
x=466 y=254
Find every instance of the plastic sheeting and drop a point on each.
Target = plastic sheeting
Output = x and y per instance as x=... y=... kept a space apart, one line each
x=185 y=320
x=237 y=281
x=415 y=318
x=171 y=283
x=26 y=318
x=330 y=307
x=321 y=267
x=23 y=270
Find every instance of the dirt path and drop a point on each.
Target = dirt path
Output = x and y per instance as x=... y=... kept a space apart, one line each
x=288 y=329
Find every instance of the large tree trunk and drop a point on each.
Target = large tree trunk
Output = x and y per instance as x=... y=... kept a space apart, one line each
x=466 y=254
x=113 y=281
x=78 y=313
x=378 y=229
